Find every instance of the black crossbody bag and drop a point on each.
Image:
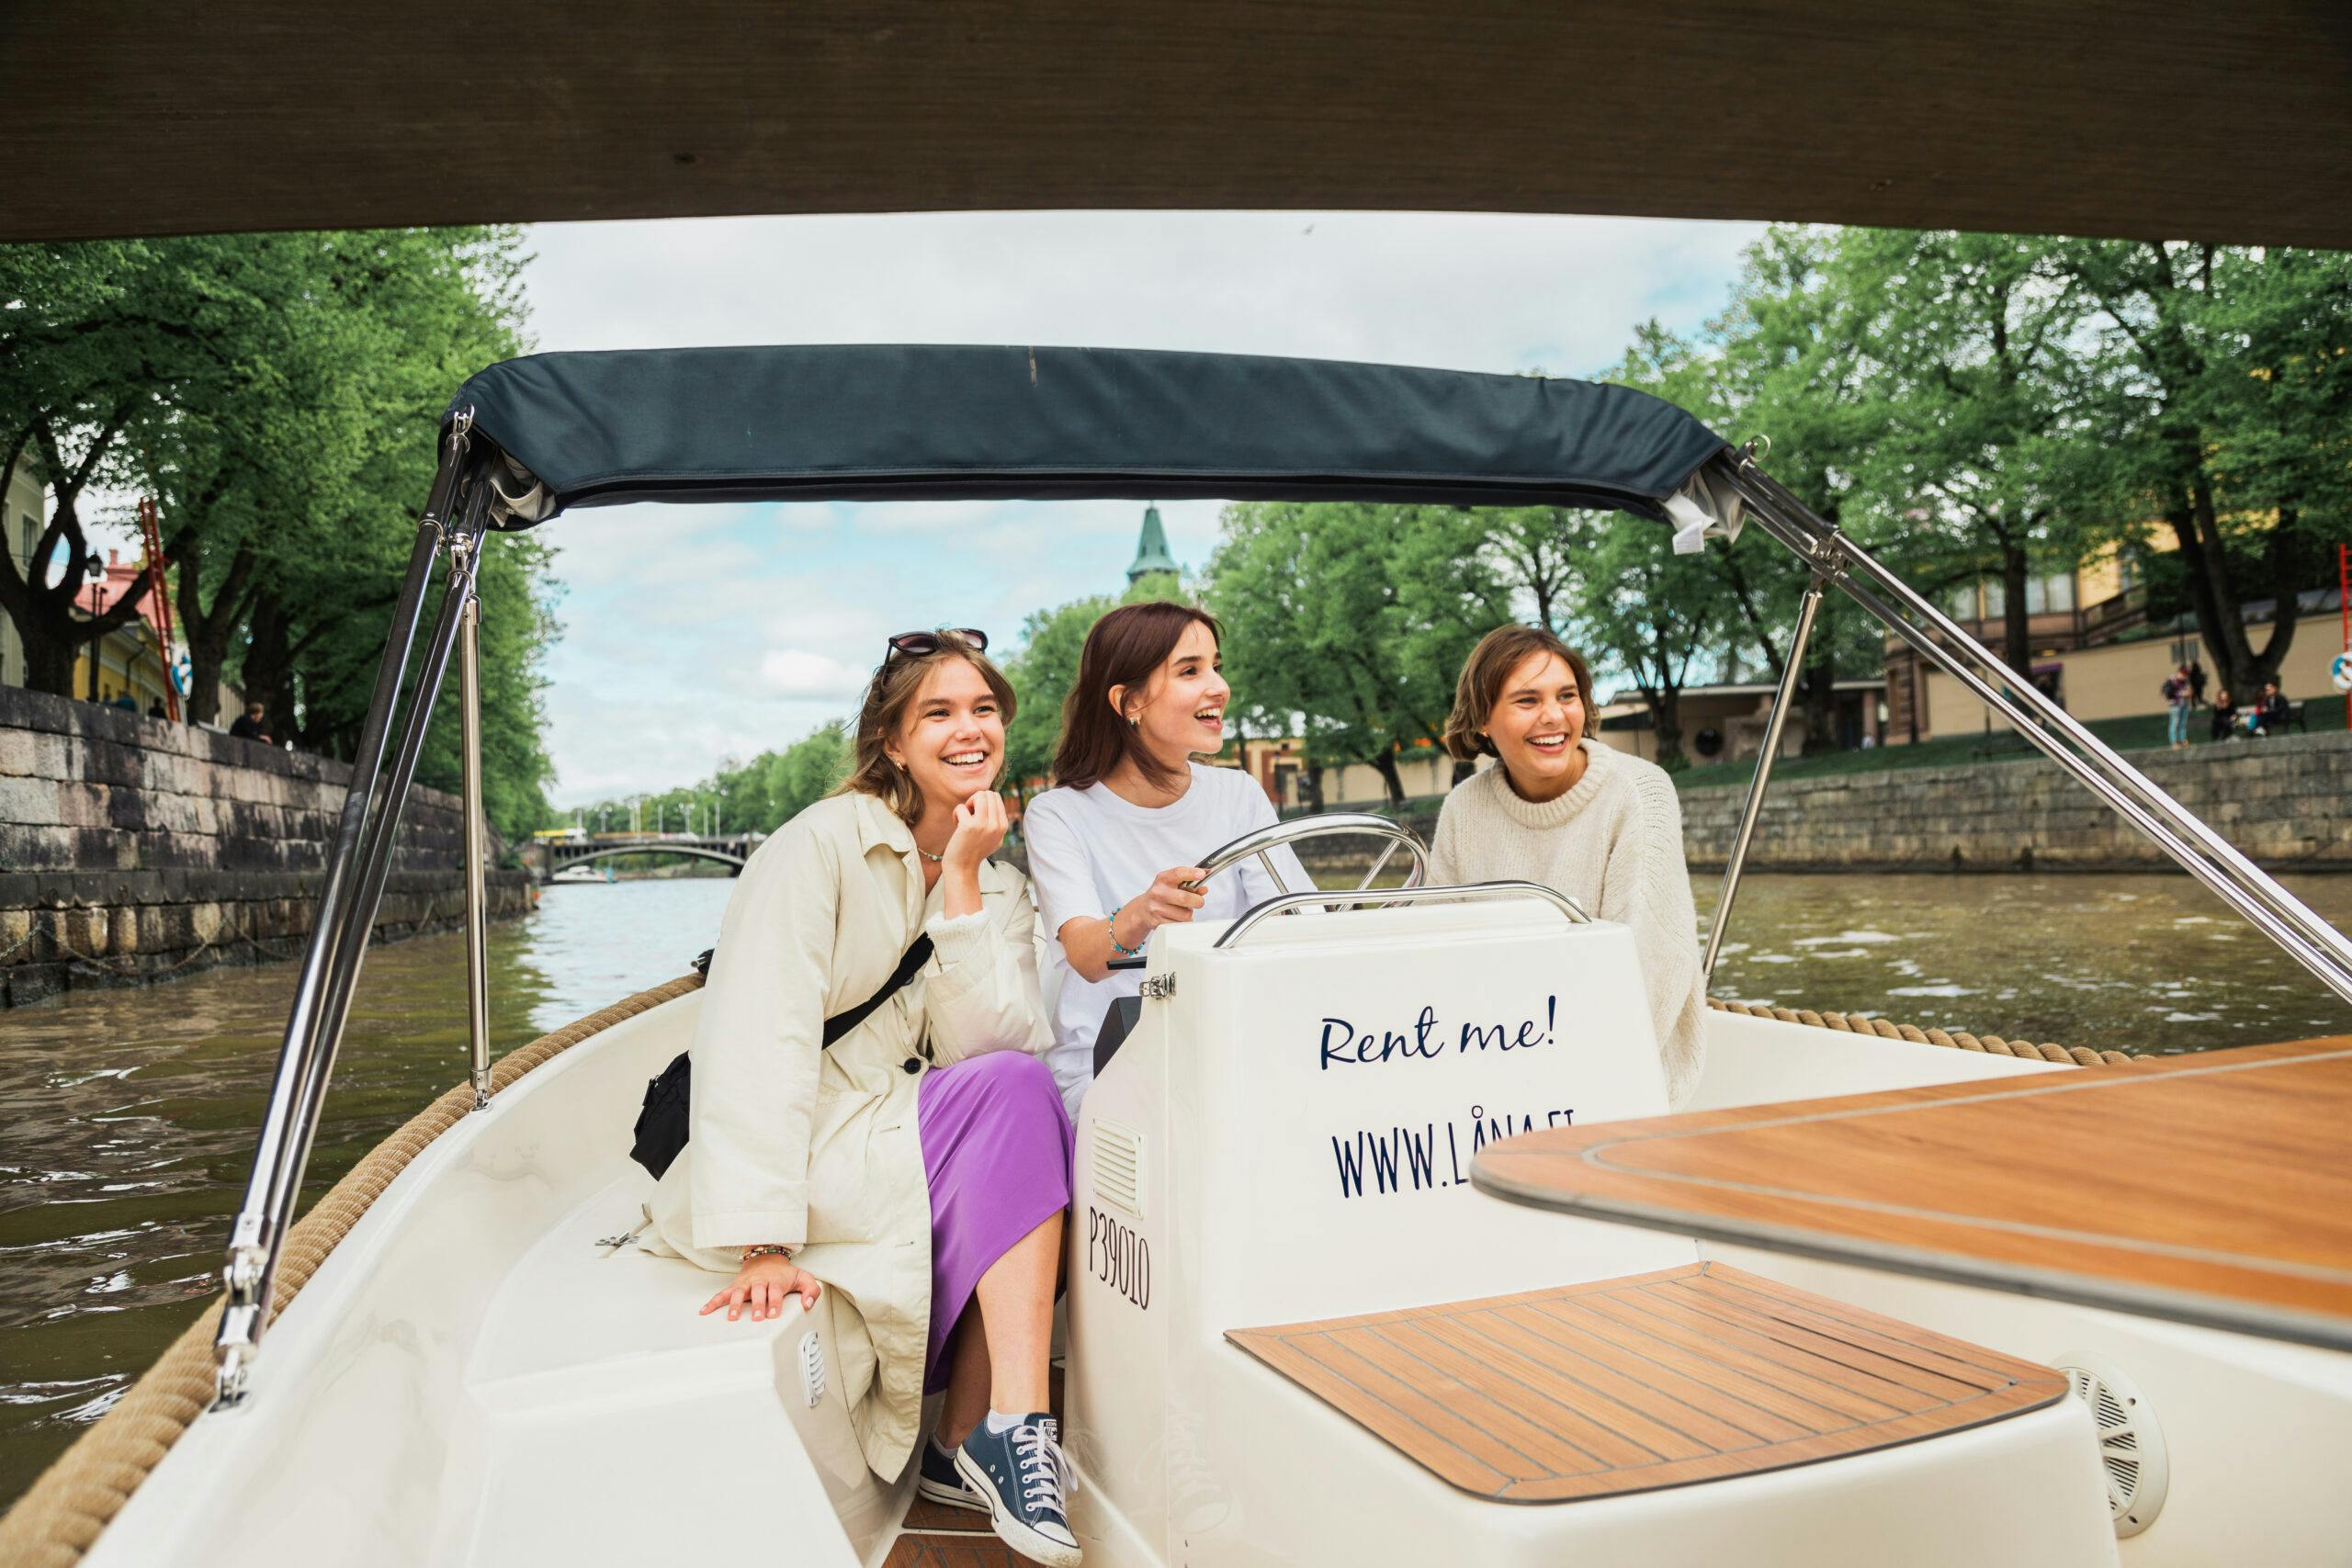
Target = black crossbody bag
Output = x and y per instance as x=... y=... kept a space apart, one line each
x=661 y=1125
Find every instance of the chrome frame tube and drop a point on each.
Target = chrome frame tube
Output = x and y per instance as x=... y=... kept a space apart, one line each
x=1754 y=806
x=2200 y=849
x=1467 y=893
x=257 y=1231
x=477 y=892
x=348 y=904
x=377 y=856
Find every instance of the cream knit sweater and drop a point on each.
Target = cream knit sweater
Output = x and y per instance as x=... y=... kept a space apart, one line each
x=1614 y=844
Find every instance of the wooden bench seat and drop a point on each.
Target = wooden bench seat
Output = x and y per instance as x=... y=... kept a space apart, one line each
x=1688 y=1374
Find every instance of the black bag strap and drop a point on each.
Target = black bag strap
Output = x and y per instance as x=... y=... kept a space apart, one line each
x=910 y=963
x=916 y=957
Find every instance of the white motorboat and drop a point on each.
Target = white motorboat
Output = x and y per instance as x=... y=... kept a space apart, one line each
x=1297 y=1330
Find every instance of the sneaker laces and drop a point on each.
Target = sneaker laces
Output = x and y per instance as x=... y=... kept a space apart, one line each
x=1047 y=1478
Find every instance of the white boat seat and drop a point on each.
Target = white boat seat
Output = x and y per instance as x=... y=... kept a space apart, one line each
x=1688 y=1374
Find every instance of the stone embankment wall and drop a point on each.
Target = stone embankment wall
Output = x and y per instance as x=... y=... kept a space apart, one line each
x=132 y=849
x=2286 y=802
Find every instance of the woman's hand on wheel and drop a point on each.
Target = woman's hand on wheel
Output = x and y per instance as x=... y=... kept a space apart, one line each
x=761 y=1287
x=980 y=823
x=1168 y=901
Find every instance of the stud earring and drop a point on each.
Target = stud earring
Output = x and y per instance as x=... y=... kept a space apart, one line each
x=1135 y=724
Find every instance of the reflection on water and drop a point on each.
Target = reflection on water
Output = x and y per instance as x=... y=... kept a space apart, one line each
x=130 y=1116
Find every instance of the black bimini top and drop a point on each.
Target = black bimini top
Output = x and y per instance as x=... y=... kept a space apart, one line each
x=941 y=423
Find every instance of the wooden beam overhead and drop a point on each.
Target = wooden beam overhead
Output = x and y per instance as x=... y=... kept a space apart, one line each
x=2153 y=118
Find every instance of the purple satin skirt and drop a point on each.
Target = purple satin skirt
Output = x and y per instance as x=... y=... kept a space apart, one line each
x=996 y=1151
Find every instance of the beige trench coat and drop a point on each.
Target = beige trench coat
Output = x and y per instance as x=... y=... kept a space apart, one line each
x=795 y=1143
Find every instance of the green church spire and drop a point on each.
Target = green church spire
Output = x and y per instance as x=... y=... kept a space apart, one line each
x=1151 y=549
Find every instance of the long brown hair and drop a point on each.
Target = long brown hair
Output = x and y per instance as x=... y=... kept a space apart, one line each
x=888 y=697
x=1126 y=648
x=1498 y=653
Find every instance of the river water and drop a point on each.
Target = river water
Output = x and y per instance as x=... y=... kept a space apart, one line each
x=129 y=1115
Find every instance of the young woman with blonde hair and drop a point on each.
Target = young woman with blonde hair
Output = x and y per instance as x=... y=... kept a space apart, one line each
x=918 y=1164
x=1563 y=809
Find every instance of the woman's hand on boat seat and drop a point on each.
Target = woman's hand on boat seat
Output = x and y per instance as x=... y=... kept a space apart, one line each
x=980 y=823
x=761 y=1287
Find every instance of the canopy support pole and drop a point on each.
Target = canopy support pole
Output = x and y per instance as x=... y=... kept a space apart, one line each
x=477 y=829
x=357 y=867
x=2199 y=851
x=1753 y=806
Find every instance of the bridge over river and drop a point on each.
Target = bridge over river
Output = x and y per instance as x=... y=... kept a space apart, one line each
x=547 y=856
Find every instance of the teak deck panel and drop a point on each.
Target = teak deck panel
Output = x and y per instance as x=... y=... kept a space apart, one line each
x=2214 y=1189
x=1688 y=1374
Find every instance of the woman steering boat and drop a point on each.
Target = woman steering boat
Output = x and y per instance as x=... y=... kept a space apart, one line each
x=800 y=1171
x=1563 y=809
x=1113 y=846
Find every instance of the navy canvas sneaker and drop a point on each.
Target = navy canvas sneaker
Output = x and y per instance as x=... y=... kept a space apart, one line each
x=1022 y=1476
x=938 y=1481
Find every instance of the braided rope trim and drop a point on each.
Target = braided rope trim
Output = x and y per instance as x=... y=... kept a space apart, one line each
x=66 y=1510
x=1991 y=1044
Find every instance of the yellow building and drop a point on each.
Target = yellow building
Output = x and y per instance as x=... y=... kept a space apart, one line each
x=129 y=658
x=2095 y=651
x=21 y=512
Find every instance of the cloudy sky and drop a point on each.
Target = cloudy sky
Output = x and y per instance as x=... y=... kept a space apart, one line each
x=695 y=634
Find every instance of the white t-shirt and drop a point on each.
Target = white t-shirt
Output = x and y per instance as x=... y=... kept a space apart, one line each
x=1090 y=852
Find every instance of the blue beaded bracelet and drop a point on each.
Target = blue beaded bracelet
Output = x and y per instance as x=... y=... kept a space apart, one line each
x=1111 y=929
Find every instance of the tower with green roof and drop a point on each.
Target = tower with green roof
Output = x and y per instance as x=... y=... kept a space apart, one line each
x=1151 y=549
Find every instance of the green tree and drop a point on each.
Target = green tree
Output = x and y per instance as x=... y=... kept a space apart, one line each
x=809 y=770
x=1317 y=628
x=92 y=339
x=278 y=393
x=1782 y=366
x=2216 y=398
x=1965 y=342
x=1042 y=673
x=1657 y=615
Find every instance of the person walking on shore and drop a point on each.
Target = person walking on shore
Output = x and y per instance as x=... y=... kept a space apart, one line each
x=2177 y=695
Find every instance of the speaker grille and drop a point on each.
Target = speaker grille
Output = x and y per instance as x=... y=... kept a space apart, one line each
x=2131 y=1444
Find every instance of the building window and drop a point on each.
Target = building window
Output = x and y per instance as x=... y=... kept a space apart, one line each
x=1996 y=600
x=2127 y=571
x=1960 y=604
x=2043 y=594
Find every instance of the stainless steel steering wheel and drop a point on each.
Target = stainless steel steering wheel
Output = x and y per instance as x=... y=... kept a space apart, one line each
x=1262 y=841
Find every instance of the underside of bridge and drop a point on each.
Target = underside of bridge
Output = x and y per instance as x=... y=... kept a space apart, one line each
x=2089 y=117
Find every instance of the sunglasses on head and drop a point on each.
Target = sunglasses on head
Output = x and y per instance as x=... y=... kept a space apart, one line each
x=916 y=645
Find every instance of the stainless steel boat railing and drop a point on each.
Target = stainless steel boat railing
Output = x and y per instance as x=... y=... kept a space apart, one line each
x=453 y=523
x=1467 y=893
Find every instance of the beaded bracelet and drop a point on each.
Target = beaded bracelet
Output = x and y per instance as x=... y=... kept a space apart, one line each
x=1111 y=927
x=768 y=1249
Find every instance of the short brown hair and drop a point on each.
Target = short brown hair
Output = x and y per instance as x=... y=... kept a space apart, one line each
x=888 y=697
x=1125 y=647
x=1498 y=653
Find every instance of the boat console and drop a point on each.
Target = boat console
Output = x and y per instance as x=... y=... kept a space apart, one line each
x=1296 y=1334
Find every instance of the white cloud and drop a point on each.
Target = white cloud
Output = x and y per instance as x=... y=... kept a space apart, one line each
x=696 y=634
x=796 y=673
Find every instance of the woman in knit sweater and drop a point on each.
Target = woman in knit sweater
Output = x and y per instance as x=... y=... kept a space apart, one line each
x=1563 y=809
